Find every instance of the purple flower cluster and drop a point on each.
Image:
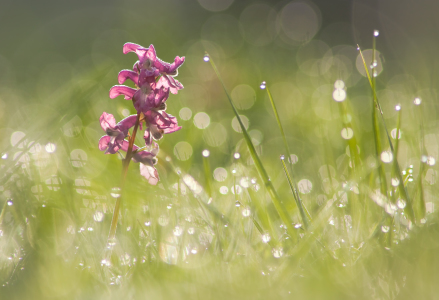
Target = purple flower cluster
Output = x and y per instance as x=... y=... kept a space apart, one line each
x=153 y=80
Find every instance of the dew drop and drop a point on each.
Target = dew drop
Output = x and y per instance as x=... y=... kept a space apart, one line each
x=277 y=252
x=298 y=225
x=398 y=107
x=263 y=85
x=417 y=101
x=386 y=157
x=115 y=192
x=339 y=95
x=237 y=203
x=236 y=155
x=178 y=231
x=246 y=212
x=339 y=84
x=282 y=157
x=191 y=230
x=401 y=203
x=385 y=228
x=347 y=133
x=4 y=156
x=147 y=223
x=206 y=58
x=266 y=238
x=50 y=147
x=376 y=33
x=431 y=161
x=234 y=171
x=206 y=153
x=98 y=216
x=10 y=202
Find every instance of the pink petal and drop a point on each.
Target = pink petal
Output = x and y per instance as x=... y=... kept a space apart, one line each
x=143 y=101
x=131 y=47
x=171 y=83
x=167 y=68
x=118 y=90
x=147 y=137
x=127 y=123
x=103 y=142
x=107 y=121
x=127 y=74
x=150 y=173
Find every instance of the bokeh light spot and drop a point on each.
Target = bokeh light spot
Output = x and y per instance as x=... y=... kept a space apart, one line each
x=236 y=126
x=300 y=22
x=305 y=186
x=201 y=120
x=185 y=113
x=215 y=5
x=243 y=96
x=183 y=150
x=220 y=174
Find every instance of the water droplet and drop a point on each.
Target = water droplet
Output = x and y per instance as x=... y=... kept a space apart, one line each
x=417 y=101
x=375 y=73
x=50 y=147
x=358 y=48
x=4 y=156
x=98 y=216
x=147 y=223
x=178 y=231
x=385 y=228
x=168 y=158
x=191 y=230
x=347 y=133
x=246 y=212
x=253 y=180
x=194 y=251
x=298 y=225
x=266 y=238
x=236 y=155
x=375 y=63
x=206 y=58
x=398 y=107
x=206 y=153
x=339 y=95
x=90 y=228
x=282 y=157
x=237 y=203
x=234 y=171
x=169 y=206
x=424 y=158
x=400 y=203
x=115 y=192
x=376 y=33
x=263 y=85
x=224 y=190
x=277 y=252
x=395 y=181
x=431 y=161
x=339 y=84
x=10 y=202
x=386 y=156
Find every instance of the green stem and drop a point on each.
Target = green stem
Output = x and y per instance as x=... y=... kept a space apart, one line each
x=125 y=164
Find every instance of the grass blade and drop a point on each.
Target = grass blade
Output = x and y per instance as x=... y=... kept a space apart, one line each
x=281 y=210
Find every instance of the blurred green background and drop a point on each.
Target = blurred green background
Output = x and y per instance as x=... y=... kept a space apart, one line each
x=58 y=60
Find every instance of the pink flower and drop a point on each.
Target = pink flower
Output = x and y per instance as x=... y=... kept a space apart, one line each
x=159 y=123
x=116 y=133
x=148 y=60
x=147 y=160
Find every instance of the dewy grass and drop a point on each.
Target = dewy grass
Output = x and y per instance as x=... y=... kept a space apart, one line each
x=181 y=240
x=292 y=183
x=258 y=163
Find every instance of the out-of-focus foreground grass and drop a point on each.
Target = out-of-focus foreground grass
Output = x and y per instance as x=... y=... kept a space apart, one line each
x=210 y=229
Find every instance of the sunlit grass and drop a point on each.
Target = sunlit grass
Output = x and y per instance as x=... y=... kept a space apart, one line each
x=228 y=218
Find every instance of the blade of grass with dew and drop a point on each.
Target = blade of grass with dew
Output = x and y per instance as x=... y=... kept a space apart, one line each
x=402 y=189
x=291 y=181
x=299 y=204
x=281 y=210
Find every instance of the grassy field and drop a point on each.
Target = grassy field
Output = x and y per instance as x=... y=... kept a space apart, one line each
x=304 y=178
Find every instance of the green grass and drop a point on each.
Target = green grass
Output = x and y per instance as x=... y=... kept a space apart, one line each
x=355 y=234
